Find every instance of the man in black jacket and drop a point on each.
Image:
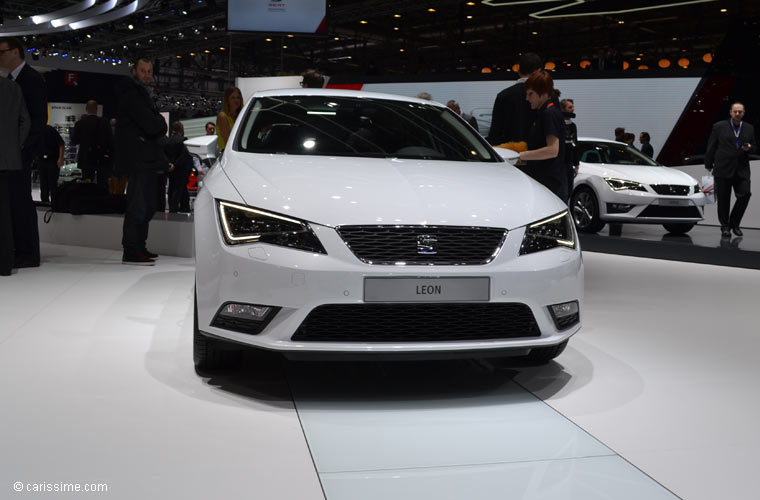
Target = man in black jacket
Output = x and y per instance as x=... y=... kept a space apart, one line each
x=93 y=135
x=180 y=163
x=512 y=117
x=140 y=135
x=23 y=211
x=728 y=148
x=49 y=163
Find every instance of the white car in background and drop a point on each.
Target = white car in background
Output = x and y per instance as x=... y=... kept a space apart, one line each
x=618 y=184
x=350 y=223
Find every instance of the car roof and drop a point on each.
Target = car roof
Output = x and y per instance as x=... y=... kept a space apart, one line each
x=343 y=93
x=597 y=139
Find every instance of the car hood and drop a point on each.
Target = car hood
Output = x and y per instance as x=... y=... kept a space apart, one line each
x=639 y=173
x=342 y=191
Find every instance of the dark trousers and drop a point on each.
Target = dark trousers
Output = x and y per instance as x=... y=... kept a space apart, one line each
x=161 y=192
x=49 y=172
x=141 y=207
x=6 y=226
x=179 y=198
x=26 y=235
x=741 y=187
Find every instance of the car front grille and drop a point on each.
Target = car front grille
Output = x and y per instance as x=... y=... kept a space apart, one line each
x=420 y=322
x=661 y=211
x=423 y=245
x=671 y=189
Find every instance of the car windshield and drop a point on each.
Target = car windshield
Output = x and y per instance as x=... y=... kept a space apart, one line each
x=610 y=152
x=358 y=126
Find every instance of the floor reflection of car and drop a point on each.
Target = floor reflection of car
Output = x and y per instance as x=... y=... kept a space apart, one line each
x=618 y=184
x=346 y=223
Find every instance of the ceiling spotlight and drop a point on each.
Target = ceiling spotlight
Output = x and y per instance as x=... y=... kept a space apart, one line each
x=431 y=9
x=396 y=28
x=207 y=51
x=401 y=50
x=89 y=35
x=470 y=3
x=336 y=38
x=222 y=48
x=291 y=36
x=722 y=10
x=267 y=39
x=131 y=26
x=469 y=17
x=192 y=54
x=396 y=15
x=363 y=21
x=197 y=31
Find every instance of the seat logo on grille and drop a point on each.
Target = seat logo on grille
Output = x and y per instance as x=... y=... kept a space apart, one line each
x=427 y=244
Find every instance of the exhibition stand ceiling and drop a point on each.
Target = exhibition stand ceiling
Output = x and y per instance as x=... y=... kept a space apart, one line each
x=381 y=37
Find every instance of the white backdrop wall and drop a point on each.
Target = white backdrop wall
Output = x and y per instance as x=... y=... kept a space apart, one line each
x=638 y=104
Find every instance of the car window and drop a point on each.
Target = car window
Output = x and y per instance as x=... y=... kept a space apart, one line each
x=618 y=154
x=364 y=127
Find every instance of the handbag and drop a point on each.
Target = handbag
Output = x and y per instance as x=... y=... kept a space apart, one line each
x=708 y=188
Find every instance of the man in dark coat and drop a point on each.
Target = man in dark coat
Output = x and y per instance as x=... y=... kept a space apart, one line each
x=14 y=127
x=646 y=147
x=140 y=135
x=728 y=148
x=23 y=211
x=512 y=117
x=93 y=135
x=181 y=163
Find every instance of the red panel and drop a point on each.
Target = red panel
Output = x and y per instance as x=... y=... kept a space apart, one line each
x=346 y=86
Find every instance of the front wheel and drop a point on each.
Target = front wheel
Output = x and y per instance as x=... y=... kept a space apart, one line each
x=585 y=210
x=210 y=355
x=678 y=228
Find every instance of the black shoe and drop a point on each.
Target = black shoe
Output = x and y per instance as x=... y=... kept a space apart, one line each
x=149 y=254
x=725 y=232
x=737 y=231
x=138 y=260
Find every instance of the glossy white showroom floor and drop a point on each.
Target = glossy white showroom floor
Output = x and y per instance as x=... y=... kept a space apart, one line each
x=657 y=397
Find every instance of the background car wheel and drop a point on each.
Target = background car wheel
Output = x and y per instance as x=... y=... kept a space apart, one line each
x=542 y=355
x=585 y=210
x=678 y=228
x=211 y=355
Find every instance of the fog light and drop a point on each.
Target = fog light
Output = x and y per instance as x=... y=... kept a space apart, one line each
x=245 y=318
x=565 y=314
x=618 y=208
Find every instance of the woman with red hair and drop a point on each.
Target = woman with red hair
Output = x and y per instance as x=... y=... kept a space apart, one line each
x=546 y=145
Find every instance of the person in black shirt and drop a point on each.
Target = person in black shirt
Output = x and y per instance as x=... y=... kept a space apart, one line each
x=50 y=162
x=572 y=158
x=546 y=145
x=646 y=148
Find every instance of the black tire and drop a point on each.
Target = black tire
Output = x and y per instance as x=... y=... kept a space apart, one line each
x=584 y=207
x=211 y=355
x=679 y=227
x=542 y=355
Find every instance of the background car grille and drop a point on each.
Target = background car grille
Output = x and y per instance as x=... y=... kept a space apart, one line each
x=671 y=189
x=420 y=322
x=454 y=245
x=671 y=212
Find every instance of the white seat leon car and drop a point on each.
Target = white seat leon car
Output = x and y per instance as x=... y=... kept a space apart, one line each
x=618 y=184
x=348 y=223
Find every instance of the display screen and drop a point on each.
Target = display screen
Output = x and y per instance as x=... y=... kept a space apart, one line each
x=268 y=16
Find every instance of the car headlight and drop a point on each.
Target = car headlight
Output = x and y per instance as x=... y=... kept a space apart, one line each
x=242 y=224
x=620 y=184
x=697 y=188
x=552 y=232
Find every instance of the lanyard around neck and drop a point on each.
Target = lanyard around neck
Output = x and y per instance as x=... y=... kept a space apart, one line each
x=737 y=131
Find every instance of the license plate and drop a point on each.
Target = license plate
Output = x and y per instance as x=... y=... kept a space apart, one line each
x=673 y=203
x=427 y=289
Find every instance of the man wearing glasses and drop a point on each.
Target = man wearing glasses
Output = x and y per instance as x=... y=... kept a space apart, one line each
x=23 y=211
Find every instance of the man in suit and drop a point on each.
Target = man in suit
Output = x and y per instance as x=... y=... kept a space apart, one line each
x=24 y=213
x=727 y=158
x=14 y=127
x=180 y=163
x=454 y=106
x=646 y=147
x=140 y=137
x=93 y=135
x=512 y=117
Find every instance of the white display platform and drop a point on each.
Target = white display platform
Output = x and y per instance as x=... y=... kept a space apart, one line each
x=169 y=234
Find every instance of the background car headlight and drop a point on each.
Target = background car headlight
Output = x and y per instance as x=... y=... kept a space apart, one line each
x=620 y=184
x=242 y=224
x=555 y=231
x=697 y=189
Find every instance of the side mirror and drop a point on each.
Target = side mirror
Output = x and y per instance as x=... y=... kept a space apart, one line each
x=508 y=155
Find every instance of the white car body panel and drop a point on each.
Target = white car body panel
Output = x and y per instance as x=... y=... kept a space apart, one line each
x=593 y=174
x=332 y=191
